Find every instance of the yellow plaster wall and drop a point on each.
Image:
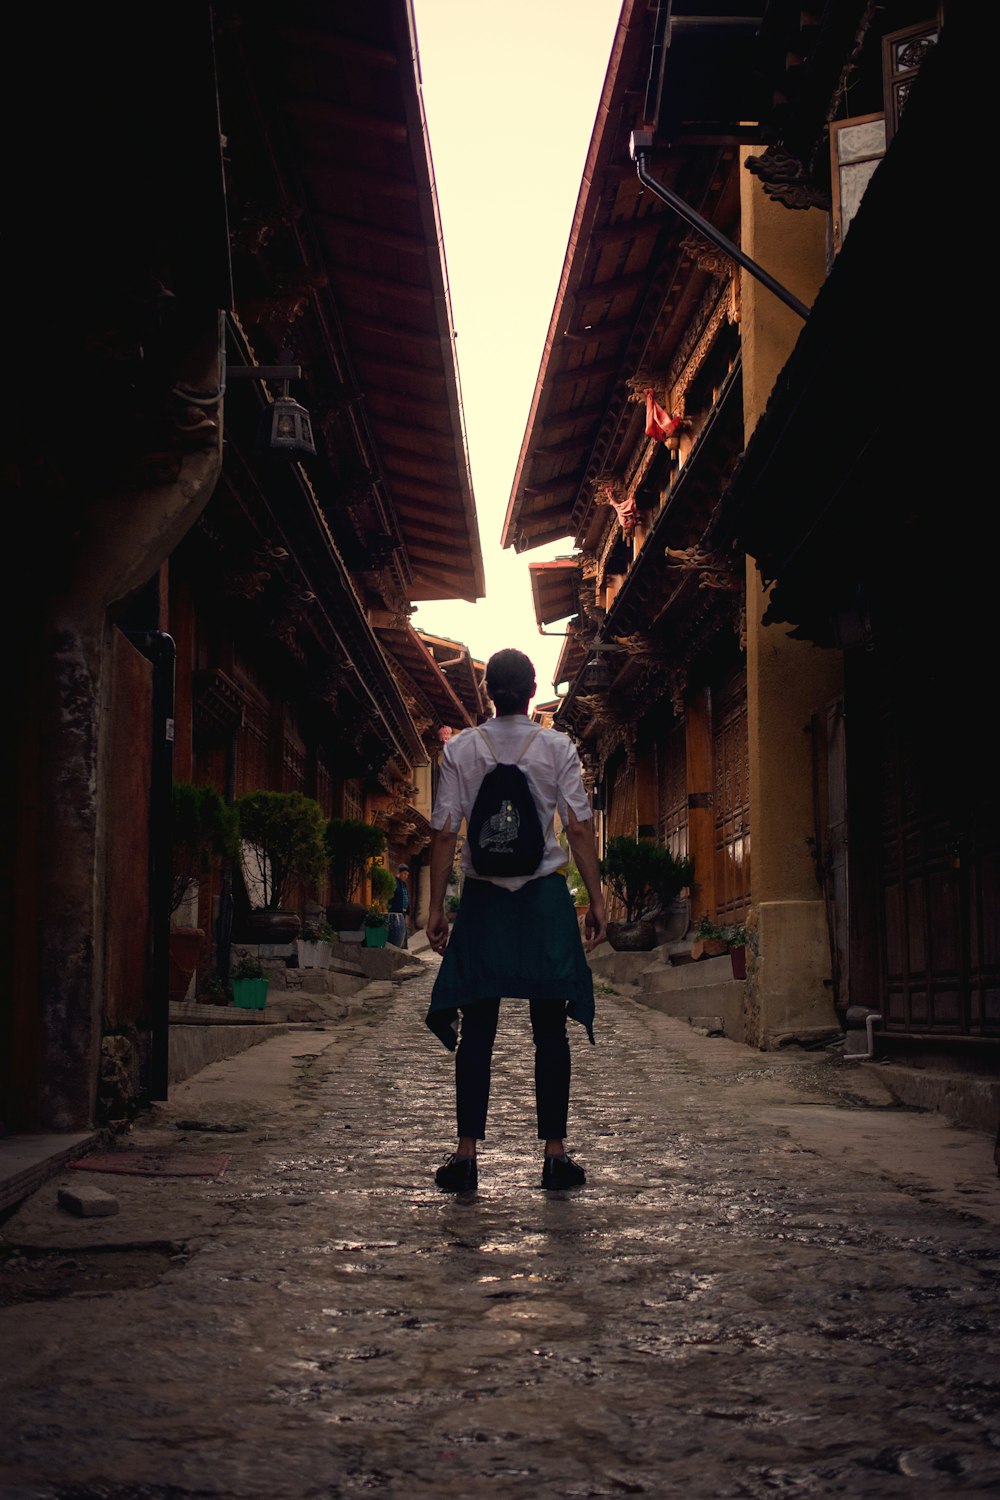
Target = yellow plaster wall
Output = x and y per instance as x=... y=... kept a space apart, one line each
x=786 y=680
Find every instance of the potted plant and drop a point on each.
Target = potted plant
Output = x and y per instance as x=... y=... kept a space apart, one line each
x=643 y=876
x=249 y=979
x=282 y=836
x=212 y=991
x=202 y=830
x=712 y=939
x=313 y=946
x=351 y=844
x=376 y=926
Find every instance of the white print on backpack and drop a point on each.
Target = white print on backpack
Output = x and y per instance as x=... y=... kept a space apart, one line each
x=504 y=830
x=500 y=831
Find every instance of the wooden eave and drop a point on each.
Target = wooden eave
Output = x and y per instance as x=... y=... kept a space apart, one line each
x=405 y=646
x=268 y=535
x=664 y=603
x=555 y=589
x=339 y=90
x=623 y=304
x=465 y=675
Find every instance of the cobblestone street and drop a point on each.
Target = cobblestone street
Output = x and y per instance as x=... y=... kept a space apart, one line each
x=775 y=1282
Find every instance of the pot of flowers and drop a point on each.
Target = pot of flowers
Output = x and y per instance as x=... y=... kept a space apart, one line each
x=644 y=877
x=282 y=837
x=313 y=947
x=713 y=939
x=249 y=980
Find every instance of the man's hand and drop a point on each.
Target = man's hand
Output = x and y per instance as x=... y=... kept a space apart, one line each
x=595 y=927
x=437 y=930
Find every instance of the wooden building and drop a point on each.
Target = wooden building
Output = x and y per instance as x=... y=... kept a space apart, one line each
x=730 y=428
x=206 y=198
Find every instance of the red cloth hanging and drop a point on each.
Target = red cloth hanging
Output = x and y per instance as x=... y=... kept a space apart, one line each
x=657 y=420
x=659 y=423
x=627 y=513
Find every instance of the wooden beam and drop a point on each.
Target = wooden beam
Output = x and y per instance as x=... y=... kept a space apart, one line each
x=318 y=116
x=592 y=371
x=391 y=239
x=383 y=285
x=578 y=414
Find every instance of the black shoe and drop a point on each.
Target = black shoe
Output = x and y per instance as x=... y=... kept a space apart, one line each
x=562 y=1172
x=458 y=1175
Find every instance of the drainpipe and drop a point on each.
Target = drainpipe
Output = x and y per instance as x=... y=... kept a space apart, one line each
x=871 y=1018
x=224 y=917
x=158 y=648
x=639 y=146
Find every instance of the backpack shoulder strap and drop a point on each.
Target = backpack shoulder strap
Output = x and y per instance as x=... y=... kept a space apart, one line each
x=528 y=743
x=486 y=741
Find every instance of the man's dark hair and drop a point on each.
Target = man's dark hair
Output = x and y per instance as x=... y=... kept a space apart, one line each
x=510 y=680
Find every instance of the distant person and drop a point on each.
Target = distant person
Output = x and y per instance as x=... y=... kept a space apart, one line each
x=399 y=906
x=518 y=935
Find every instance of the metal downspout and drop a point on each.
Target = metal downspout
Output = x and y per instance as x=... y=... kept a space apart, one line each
x=639 y=143
x=159 y=648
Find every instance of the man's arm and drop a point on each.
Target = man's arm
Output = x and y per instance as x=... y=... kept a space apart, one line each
x=583 y=847
x=441 y=865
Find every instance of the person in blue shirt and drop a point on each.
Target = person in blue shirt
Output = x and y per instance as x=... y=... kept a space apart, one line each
x=399 y=905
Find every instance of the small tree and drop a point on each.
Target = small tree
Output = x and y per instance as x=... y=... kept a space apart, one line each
x=383 y=886
x=282 y=835
x=640 y=873
x=351 y=844
x=203 y=828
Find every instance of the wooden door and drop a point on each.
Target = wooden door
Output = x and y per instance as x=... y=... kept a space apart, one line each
x=940 y=886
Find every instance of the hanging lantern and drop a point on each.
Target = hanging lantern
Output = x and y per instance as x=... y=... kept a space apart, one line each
x=290 y=429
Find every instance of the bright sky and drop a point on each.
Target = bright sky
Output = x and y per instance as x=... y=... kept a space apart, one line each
x=511 y=93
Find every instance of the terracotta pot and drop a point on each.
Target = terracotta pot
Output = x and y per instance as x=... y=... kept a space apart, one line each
x=632 y=937
x=346 y=916
x=274 y=926
x=738 y=956
x=185 y=950
x=710 y=947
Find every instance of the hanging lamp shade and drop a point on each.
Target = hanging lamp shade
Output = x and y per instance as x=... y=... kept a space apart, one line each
x=290 y=430
x=596 y=676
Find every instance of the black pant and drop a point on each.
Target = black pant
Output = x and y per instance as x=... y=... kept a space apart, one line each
x=552 y=1067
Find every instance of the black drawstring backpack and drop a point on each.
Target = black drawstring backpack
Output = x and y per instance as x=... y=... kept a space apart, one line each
x=505 y=834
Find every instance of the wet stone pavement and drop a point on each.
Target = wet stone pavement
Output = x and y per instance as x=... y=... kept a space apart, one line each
x=776 y=1282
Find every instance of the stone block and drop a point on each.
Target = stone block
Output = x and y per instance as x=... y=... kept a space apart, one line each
x=88 y=1202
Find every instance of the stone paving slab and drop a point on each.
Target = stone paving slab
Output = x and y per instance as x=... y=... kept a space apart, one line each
x=777 y=1281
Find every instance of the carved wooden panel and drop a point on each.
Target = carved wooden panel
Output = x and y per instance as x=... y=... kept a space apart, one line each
x=732 y=798
x=671 y=791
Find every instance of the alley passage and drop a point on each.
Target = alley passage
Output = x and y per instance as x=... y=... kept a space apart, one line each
x=774 y=1283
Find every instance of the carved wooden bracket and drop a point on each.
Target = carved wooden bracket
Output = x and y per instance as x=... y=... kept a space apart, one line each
x=716 y=572
x=787 y=180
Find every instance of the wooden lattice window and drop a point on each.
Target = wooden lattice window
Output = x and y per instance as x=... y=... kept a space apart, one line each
x=732 y=799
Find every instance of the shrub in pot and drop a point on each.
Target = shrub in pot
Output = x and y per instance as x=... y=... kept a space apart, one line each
x=351 y=844
x=203 y=829
x=282 y=838
x=644 y=877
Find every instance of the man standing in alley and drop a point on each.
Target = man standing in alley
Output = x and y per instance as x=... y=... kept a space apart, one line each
x=516 y=933
x=399 y=905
